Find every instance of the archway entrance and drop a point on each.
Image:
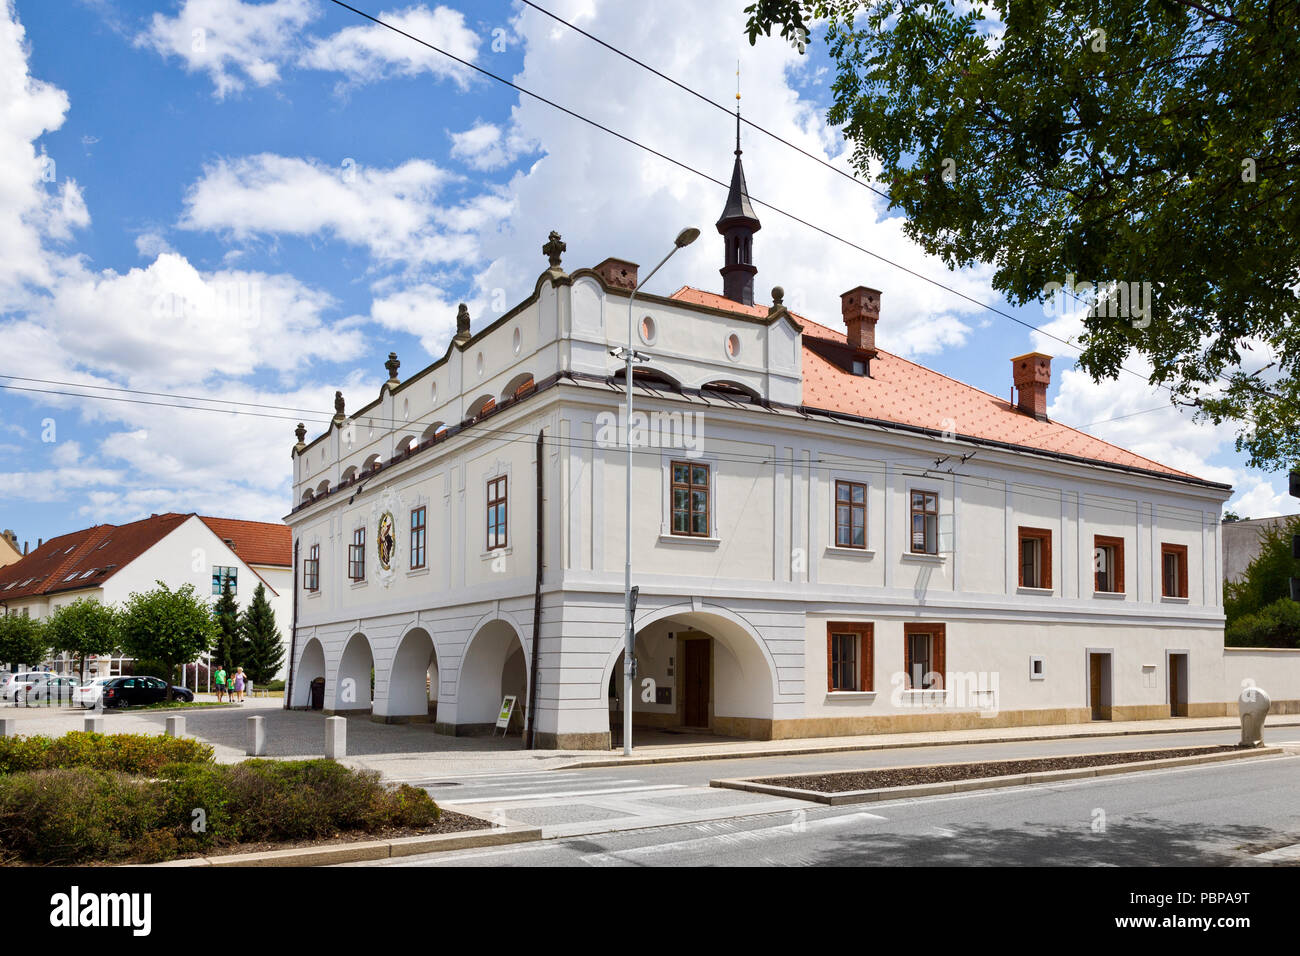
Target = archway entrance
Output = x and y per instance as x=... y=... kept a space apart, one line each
x=311 y=665
x=354 y=690
x=698 y=674
x=413 y=678
x=493 y=667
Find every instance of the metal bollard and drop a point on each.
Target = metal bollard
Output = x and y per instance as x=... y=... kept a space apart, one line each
x=256 y=737
x=175 y=726
x=8 y=727
x=94 y=725
x=336 y=737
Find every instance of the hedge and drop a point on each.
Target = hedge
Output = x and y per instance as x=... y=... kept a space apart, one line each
x=84 y=815
x=124 y=753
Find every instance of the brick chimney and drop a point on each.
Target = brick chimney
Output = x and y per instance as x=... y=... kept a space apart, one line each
x=618 y=273
x=1032 y=373
x=861 y=310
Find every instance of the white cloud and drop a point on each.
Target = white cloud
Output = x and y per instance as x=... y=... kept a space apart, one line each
x=237 y=42
x=609 y=198
x=397 y=214
x=423 y=310
x=66 y=454
x=34 y=205
x=151 y=244
x=484 y=147
x=369 y=52
x=232 y=41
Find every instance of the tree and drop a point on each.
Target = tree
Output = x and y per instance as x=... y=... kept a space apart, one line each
x=227 y=650
x=83 y=628
x=263 y=646
x=22 y=640
x=1266 y=580
x=1126 y=142
x=173 y=627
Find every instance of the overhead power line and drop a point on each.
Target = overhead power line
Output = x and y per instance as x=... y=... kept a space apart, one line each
x=703 y=175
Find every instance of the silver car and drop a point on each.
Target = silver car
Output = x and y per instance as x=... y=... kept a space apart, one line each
x=13 y=687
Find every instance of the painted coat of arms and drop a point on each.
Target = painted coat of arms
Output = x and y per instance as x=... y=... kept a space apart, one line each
x=387 y=540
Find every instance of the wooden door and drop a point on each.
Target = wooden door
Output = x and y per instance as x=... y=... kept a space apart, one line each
x=1094 y=686
x=695 y=683
x=1177 y=685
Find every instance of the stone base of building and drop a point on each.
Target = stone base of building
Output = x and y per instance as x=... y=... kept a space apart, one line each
x=593 y=741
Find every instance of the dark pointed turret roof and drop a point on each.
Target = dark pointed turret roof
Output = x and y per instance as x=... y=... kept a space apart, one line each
x=738 y=207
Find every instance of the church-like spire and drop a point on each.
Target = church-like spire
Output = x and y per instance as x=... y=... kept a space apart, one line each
x=737 y=226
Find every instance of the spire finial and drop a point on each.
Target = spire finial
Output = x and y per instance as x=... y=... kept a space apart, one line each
x=737 y=107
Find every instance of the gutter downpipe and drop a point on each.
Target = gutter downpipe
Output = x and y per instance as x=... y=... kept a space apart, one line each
x=537 y=608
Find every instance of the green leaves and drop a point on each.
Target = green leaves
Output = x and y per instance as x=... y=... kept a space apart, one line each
x=22 y=640
x=1131 y=141
x=174 y=627
x=83 y=628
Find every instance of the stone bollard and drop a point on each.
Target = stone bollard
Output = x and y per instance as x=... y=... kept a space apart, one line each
x=1253 y=705
x=8 y=727
x=94 y=725
x=336 y=737
x=175 y=726
x=256 y=737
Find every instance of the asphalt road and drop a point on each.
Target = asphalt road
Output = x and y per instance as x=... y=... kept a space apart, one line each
x=1215 y=814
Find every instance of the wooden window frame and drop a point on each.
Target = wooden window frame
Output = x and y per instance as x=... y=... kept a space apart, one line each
x=501 y=539
x=938 y=652
x=865 y=632
x=1100 y=541
x=853 y=509
x=690 y=487
x=1044 y=537
x=912 y=512
x=357 y=555
x=311 y=569
x=419 y=536
x=1181 y=551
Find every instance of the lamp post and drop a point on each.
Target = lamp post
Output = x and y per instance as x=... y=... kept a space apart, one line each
x=684 y=239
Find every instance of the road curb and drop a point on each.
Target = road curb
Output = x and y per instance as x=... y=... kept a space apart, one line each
x=982 y=783
x=367 y=850
x=901 y=745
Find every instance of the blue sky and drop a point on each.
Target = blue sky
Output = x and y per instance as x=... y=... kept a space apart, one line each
x=257 y=201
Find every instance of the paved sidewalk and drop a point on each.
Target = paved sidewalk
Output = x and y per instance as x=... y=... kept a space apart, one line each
x=414 y=751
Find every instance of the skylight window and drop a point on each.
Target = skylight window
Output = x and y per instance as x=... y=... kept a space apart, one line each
x=88 y=574
x=70 y=576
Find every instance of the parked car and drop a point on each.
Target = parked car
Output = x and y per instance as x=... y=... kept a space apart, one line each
x=52 y=688
x=13 y=687
x=88 y=694
x=135 y=691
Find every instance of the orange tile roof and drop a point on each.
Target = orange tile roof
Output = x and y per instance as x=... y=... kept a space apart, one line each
x=88 y=558
x=84 y=559
x=905 y=393
x=256 y=542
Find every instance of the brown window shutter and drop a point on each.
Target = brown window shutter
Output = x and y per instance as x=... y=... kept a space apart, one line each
x=907 y=659
x=1182 y=576
x=867 y=655
x=940 y=655
x=830 y=660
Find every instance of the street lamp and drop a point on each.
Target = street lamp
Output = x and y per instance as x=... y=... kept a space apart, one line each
x=684 y=239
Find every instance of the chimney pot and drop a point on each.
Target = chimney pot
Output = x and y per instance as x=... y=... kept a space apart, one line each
x=618 y=273
x=1032 y=373
x=861 y=310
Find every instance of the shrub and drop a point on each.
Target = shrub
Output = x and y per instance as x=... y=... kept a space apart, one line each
x=125 y=753
x=73 y=816
x=86 y=815
x=1274 y=625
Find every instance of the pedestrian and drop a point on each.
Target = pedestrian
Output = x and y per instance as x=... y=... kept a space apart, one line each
x=221 y=681
x=239 y=683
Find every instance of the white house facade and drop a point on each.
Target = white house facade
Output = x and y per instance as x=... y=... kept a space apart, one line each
x=107 y=563
x=827 y=539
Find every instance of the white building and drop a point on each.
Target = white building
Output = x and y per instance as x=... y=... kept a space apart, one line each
x=827 y=538
x=107 y=563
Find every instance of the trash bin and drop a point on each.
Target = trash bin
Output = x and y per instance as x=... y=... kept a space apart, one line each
x=318 y=693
